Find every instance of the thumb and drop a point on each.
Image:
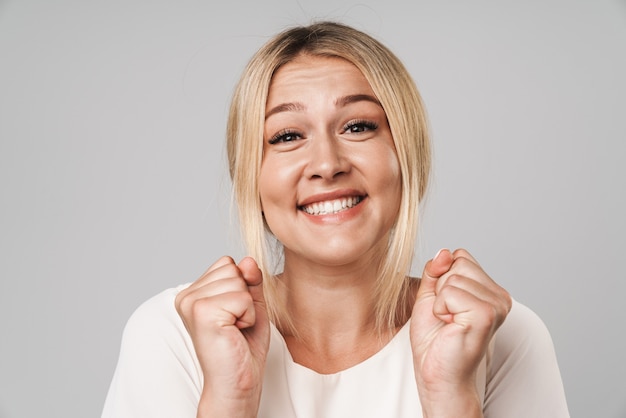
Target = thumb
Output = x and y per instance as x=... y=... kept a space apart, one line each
x=434 y=269
x=254 y=279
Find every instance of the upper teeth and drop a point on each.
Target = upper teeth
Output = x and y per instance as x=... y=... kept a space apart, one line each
x=331 y=206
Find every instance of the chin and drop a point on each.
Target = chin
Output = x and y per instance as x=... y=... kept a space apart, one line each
x=342 y=255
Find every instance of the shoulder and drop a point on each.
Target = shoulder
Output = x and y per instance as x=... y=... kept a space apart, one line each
x=522 y=330
x=156 y=329
x=522 y=338
x=522 y=371
x=157 y=372
x=158 y=309
x=156 y=318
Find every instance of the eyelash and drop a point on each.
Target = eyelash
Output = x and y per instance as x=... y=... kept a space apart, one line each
x=284 y=134
x=370 y=126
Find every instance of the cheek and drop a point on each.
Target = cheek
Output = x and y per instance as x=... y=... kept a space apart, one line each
x=394 y=180
x=384 y=166
x=277 y=182
x=389 y=179
x=265 y=187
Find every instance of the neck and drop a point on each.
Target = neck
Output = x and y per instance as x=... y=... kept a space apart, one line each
x=326 y=299
x=333 y=308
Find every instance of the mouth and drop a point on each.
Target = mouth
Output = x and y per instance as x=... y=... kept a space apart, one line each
x=330 y=207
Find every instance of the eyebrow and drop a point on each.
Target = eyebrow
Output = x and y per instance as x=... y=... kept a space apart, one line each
x=340 y=102
x=285 y=107
x=346 y=100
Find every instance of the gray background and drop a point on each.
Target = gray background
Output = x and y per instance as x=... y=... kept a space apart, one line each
x=114 y=185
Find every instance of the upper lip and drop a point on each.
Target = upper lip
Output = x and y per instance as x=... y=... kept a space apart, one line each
x=337 y=194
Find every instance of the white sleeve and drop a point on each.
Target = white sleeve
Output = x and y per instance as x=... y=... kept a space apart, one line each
x=523 y=377
x=157 y=374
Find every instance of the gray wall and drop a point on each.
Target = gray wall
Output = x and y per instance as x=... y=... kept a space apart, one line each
x=114 y=186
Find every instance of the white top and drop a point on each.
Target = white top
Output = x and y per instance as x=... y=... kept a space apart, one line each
x=158 y=374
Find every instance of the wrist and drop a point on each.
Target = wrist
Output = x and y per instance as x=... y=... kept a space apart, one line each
x=451 y=402
x=220 y=405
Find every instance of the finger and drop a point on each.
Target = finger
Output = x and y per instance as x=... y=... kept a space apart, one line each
x=226 y=269
x=251 y=272
x=215 y=287
x=254 y=278
x=458 y=306
x=467 y=267
x=246 y=315
x=194 y=304
x=434 y=269
x=222 y=261
x=464 y=257
x=463 y=253
x=440 y=263
x=464 y=267
x=226 y=309
x=495 y=297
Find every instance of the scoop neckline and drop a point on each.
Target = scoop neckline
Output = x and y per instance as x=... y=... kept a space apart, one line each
x=371 y=359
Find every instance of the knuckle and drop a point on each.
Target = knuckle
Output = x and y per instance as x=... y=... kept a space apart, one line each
x=454 y=280
x=245 y=297
x=178 y=301
x=231 y=284
x=199 y=308
x=231 y=270
x=492 y=314
x=221 y=262
x=224 y=270
x=461 y=252
x=462 y=263
x=225 y=259
x=499 y=313
x=446 y=291
x=489 y=316
x=508 y=300
x=182 y=303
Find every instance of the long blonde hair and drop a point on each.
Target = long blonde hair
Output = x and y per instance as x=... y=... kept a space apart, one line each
x=405 y=112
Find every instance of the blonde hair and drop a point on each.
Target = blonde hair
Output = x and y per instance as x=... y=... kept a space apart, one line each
x=405 y=112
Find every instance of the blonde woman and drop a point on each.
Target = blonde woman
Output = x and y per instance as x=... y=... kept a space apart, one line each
x=329 y=157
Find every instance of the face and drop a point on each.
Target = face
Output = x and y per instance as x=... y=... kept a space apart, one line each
x=330 y=183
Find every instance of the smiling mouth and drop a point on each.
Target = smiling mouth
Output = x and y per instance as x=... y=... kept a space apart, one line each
x=330 y=207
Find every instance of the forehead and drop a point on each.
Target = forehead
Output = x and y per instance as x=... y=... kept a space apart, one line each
x=308 y=74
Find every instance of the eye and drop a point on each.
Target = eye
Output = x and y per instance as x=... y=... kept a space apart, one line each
x=359 y=126
x=285 y=135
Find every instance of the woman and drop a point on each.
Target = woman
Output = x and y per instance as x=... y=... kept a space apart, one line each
x=329 y=155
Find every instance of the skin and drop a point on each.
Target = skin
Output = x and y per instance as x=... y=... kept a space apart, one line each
x=334 y=143
x=224 y=312
x=328 y=149
x=326 y=138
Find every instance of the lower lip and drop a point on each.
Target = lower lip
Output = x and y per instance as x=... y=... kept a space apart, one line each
x=336 y=218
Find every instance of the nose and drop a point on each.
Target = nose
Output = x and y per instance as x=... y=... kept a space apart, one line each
x=327 y=158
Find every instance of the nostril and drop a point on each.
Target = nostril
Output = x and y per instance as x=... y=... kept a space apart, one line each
x=328 y=176
x=326 y=158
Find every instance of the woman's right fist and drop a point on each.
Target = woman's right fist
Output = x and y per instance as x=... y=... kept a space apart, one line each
x=225 y=315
